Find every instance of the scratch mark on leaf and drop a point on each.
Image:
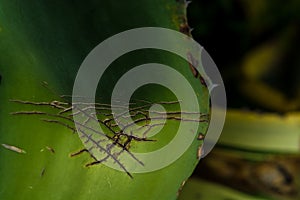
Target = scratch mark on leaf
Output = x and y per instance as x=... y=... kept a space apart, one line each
x=14 y=148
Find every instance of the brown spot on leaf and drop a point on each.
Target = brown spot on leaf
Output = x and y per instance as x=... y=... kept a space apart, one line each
x=192 y=63
x=180 y=188
x=185 y=29
x=199 y=152
x=202 y=81
x=43 y=171
x=201 y=136
x=50 y=149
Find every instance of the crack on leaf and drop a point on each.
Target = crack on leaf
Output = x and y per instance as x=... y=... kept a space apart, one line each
x=118 y=136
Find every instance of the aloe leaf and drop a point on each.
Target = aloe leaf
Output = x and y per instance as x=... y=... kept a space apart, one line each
x=268 y=175
x=42 y=46
x=196 y=189
x=262 y=132
x=258 y=153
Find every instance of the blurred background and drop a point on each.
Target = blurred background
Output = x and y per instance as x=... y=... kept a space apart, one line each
x=253 y=42
x=256 y=46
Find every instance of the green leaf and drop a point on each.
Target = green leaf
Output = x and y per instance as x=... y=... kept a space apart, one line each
x=42 y=45
x=196 y=189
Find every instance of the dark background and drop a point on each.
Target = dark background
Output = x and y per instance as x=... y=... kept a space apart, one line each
x=232 y=30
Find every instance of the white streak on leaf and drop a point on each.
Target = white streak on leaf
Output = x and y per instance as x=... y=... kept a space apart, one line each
x=14 y=148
